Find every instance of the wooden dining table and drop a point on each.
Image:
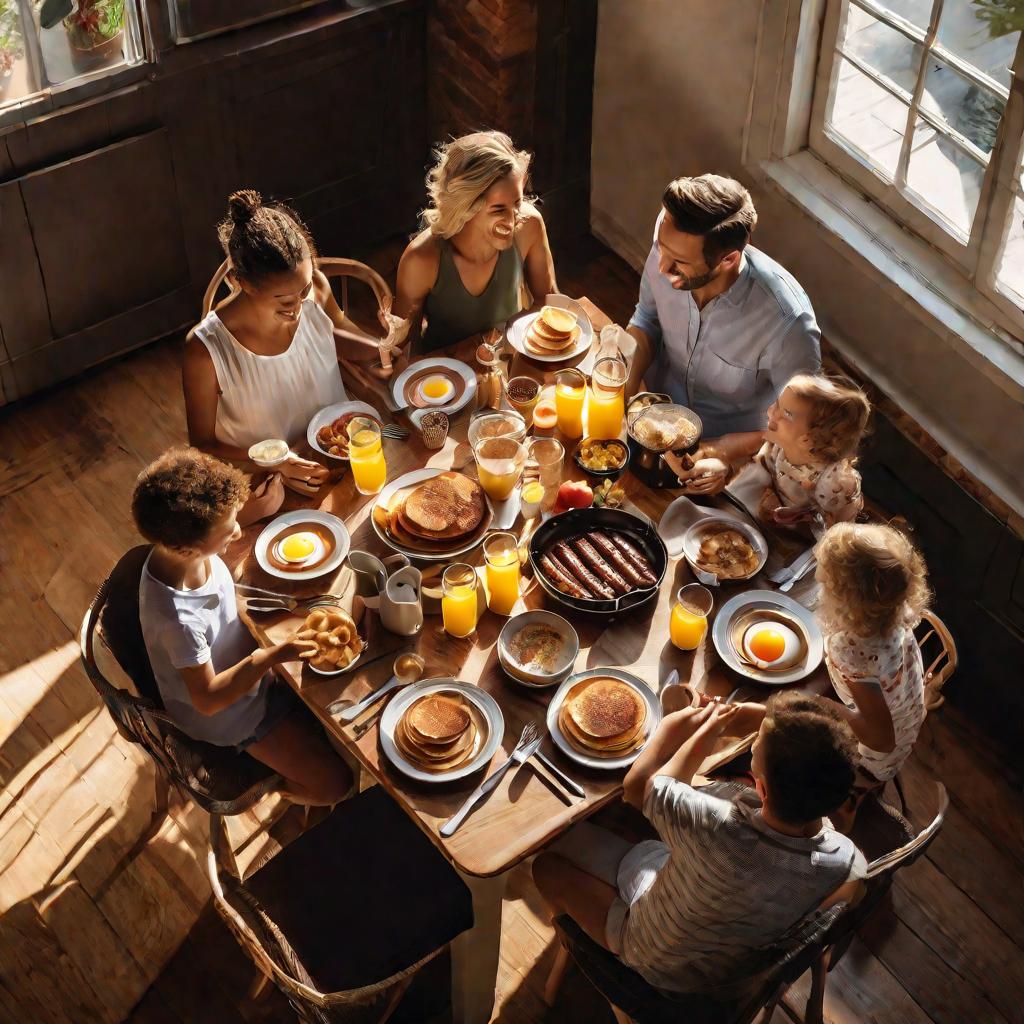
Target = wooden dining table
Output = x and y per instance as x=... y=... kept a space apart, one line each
x=529 y=809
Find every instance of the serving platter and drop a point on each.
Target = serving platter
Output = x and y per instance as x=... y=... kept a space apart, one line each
x=482 y=701
x=458 y=374
x=608 y=763
x=342 y=543
x=768 y=601
x=328 y=414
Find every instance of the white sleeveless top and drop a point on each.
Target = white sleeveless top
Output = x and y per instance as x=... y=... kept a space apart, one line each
x=273 y=396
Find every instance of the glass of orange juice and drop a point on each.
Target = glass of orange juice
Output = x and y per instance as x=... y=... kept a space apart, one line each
x=366 y=456
x=605 y=404
x=501 y=554
x=689 y=620
x=458 y=599
x=570 y=392
x=499 y=465
x=549 y=455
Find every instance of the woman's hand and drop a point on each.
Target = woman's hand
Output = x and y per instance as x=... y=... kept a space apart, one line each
x=264 y=500
x=302 y=475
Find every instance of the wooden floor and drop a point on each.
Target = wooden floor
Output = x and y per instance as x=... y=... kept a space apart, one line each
x=100 y=922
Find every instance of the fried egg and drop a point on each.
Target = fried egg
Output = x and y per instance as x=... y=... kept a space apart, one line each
x=436 y=389
x=772 y=645
x=299 y=548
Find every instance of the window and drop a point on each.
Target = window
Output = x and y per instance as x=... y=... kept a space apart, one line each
x=923 y=108
x=49 y=45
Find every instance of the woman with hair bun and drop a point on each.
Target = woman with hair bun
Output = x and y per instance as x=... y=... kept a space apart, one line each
x=266 y=359
x=480 y=243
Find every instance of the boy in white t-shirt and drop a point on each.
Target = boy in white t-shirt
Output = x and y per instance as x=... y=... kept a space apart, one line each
x=214 y=680
x=735 y=868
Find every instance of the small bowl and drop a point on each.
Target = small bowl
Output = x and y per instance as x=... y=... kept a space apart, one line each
x=536 y=677
x=339 y=671
x=602 y=474
x=695 y=534
x=266 y=459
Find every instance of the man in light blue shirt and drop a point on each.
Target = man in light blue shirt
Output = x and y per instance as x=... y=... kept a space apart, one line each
x=720 y=326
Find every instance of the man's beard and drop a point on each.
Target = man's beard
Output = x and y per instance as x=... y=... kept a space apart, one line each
x=688 y=284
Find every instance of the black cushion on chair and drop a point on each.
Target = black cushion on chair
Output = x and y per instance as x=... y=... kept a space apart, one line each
x=363 y=895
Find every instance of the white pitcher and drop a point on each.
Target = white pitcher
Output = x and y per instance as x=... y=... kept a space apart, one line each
x=401 y=607
x=371 y=574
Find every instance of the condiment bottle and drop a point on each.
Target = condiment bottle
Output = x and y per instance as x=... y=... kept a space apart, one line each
x=489 y=384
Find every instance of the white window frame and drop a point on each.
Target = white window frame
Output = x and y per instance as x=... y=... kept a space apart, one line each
x=976 y=254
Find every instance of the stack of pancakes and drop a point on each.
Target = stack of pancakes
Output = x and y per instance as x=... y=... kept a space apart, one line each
x=436 y=515
x=603 y=717
x=438 y=732
x=553 y=331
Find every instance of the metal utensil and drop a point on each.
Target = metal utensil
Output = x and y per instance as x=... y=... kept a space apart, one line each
x=527 y=746
x=394 y=431
x=288 y=605
x=573 y=787
x=798 y=575
x=783 y=574
x=407 y=668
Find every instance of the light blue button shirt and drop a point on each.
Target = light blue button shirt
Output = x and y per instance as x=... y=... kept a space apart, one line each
x=730 y=360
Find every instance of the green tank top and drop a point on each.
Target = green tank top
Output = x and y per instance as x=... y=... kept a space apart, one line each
x=454 y=314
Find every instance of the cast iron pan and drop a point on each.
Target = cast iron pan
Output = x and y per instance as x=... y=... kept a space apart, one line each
x=581 y=520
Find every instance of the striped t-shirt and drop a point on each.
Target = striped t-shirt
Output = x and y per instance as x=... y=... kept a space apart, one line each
x=726 y=884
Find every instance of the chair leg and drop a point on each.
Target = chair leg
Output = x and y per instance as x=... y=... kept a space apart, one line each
x=621 y=1017
x=258 y=987
x=557 y=975
x=815 y=1011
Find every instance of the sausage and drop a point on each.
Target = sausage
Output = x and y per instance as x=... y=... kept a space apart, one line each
x=607 y=547
x=589 y=554
x=571 y=561
x=562 y=580
x=637 y=558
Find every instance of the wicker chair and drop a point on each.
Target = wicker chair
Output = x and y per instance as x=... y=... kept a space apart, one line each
x=217 y=778
x=344 y=916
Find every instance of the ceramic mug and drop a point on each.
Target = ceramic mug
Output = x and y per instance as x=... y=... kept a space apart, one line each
x=401 y=608
x=371 y=573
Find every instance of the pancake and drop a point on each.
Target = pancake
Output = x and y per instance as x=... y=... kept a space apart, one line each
x=557 y=319
x=447 y=504
x=437 y=718
x=546 y=333
x=606 y=708
x=587 y=745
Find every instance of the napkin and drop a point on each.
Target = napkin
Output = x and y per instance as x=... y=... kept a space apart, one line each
x=610 y=334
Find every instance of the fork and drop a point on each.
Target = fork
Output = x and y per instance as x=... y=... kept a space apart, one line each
x=788 y=584
x=527 y=746
x=394 y=431
x=788 y=571
x=284 y=597
x=289 y=604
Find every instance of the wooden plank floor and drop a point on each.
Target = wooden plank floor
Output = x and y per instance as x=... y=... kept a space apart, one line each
x=101 y=922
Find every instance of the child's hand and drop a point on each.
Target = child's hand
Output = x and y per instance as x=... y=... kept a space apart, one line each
x=265 y=499
x=294 y=649
x=766 y=507
x=708 y=476
x=790 y=515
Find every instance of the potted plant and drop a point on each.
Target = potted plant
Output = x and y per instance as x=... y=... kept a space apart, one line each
x=11 y=48
x=95 y=28
x=1004 y=17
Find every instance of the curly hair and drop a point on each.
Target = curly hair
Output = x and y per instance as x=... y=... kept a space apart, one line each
x=838 y=416
x=464 y=169
x=809 y=755
x=183 y=494
x=873 y=579
x=262 y=240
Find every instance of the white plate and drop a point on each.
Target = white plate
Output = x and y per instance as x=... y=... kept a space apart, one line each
x=328 y=415
x=486 y=704
x=417 y=476
x=517 y=329
x=694 y=535
x=653 y=718
x=770 y=600
x=414 y=414
x=303 y=515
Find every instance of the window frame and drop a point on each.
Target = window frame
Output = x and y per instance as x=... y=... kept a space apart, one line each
x=976 y=255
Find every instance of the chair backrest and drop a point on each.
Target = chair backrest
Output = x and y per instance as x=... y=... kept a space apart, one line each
x=217 y=778
x=933 y=635
x=329 y=266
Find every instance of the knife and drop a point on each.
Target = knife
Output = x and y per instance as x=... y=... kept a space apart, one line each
x=564 y=779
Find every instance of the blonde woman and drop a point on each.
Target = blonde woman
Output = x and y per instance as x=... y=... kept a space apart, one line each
x=481 y=241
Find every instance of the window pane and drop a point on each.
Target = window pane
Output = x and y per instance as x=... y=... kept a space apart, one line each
x=1010 y=277
x=868 y=117
x=90 y=39
x=974 y=112
x=944 y=177
x=15 y=74
x=882 y=48
x=966 y=35
x=917 y=12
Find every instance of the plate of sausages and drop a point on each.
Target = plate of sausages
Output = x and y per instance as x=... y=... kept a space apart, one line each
x=600 y=560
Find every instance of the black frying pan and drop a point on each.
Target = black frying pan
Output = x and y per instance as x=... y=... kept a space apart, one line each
x=580 y=520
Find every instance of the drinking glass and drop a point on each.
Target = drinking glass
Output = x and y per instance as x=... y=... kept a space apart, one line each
x=499 y=464
x=523 y=393
x=605 y=404
x=689 y=620
x=549 y=455
x=366 y=456
x=501 y=554
x=458 y=599
x=570 y=391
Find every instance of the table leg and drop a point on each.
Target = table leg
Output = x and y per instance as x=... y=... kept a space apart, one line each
x=475 y=953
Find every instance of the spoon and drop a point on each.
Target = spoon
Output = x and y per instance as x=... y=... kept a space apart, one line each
x=407 y=668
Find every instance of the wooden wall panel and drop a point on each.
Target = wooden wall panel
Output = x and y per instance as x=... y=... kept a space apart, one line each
x=24 y=318
x=107 y=231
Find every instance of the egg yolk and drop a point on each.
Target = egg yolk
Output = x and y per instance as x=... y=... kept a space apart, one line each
x=767 y=645
x=297 y=547
x=435 y=387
